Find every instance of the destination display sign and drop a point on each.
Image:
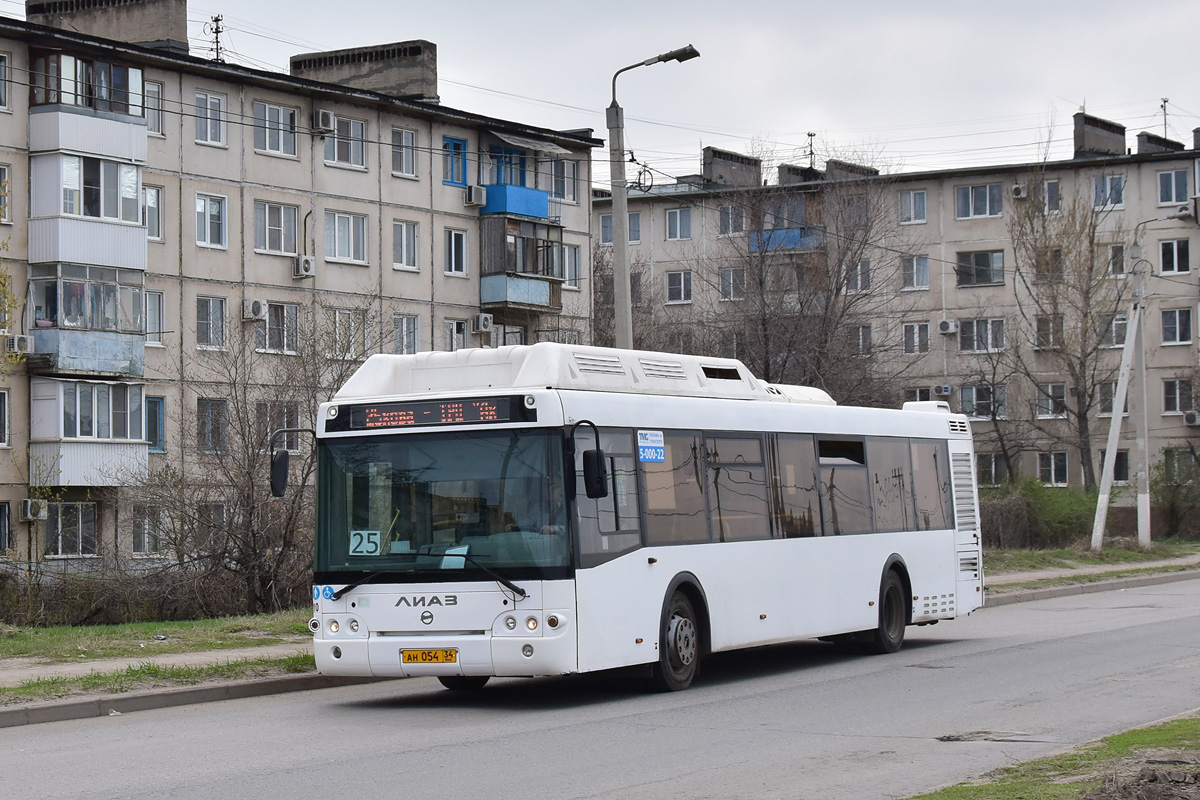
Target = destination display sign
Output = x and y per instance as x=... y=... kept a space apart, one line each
x=425 y=413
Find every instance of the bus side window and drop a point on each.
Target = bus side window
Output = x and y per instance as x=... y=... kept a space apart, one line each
x=845 y=493
x=737 y=489
x=891 y=472
x=797 y=507
x=931 y=480
x=676 y=510
x=608 y=526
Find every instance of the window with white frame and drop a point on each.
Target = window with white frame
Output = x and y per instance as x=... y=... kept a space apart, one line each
x=982 y=268
x=1113 y=329
x=275 y=227
x=1116 y=259
x=679 y=287
x=679 y=223
x=1051 y=400
x=404 y=152
x=454 y=334
x=210 y=321
x=983 y=200
x=858 y=276
x=70 y=529
x=914 y=272
x=572 y=267
x=345 y=237
x=1052 y=468
x=912 y=206
x=1048 y=331
x=918 y=394
x=860 y=340
x=154 y=318
x=1109 y=191
x=1173 y=187
x=271 y=417
x=1180 y=465
x=94 y=410
x=456 y=252
x=916 y=337
x=1177 y=396
x=1174 y=256
x=274 y=129
x=561 y=177
x=4 y=421
x=148 y=535
x=733 y=283
x=94 y=187
x=635 y=227
x=5 y=191
x=1177 y=326
x=991 y=469
x=4 y=90
x=279 y=332
x=152 y=211
x=731 y=220
x=404 y=244
x=210 y=220
x=346 y=146
x=210 y=118
x=406 y=334
x=984 y=401
x=347 y=332
x=154 y=108
x=1051 y=197
x=981 y=335
x=1108 y=394
x=1120 y=466
x=211 y=424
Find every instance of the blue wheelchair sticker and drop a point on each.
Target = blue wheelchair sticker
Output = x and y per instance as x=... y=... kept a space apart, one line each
x=327 y=593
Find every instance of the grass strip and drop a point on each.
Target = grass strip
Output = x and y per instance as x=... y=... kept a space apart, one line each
x=1071 y=580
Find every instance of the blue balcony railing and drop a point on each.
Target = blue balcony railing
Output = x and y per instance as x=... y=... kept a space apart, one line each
x=787 y=239
x=517 y=200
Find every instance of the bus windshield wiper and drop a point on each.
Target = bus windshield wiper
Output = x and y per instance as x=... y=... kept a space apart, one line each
x=505 y=582
x=355 y=584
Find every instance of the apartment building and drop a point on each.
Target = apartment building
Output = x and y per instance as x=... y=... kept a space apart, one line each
x=1007 y=291
x=179 y=228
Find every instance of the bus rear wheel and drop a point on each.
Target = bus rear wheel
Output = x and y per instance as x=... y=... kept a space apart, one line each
x=888 y=635
x=679 y=646
x=463 y=683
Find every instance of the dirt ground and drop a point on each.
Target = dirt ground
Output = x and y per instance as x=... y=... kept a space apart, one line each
x=1156 y=775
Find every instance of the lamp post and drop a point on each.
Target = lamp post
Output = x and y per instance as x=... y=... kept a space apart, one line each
x=615 y=118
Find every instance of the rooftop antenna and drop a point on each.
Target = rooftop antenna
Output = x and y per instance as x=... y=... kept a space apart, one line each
x=812 y=156
x=214 y=27
x=1164 y=110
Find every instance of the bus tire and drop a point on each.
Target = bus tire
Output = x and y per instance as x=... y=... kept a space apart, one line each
x=679 y=646
x=463 y=683
x=888 y=635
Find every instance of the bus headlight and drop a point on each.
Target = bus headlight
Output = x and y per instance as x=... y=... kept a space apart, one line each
x=333 y=626
x=353 y=626
x=531 y=623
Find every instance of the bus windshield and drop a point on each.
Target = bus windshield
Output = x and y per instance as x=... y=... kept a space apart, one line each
x=419 y=502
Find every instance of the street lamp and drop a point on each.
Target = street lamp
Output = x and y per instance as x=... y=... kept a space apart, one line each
x=615 y=117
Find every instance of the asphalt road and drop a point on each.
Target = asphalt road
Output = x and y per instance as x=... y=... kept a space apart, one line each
x=797 y=721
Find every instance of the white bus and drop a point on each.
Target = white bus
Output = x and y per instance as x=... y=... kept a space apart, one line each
x=469 y=523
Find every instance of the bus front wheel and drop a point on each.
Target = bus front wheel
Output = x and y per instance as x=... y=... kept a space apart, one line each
x=893 y=615
x=679 y=646
x=463 y=683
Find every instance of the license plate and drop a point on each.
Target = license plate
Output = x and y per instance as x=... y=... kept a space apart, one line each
x=429 y=656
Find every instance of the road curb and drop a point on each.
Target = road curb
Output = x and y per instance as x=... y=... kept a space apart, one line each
x=1132 y=582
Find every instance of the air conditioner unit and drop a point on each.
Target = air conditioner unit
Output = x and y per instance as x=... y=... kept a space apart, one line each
x=947 y=326
x=481 y=323
x=1019 y=192
x=942 y=391
x=18 y=344
x=254 y=310
x=304 y=267
x=324 y=122
x=475 y=196
x=1191 y=418
x=32 y=509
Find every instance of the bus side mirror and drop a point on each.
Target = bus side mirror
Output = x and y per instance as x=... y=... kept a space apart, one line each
x=279 y=472
x=595 y=474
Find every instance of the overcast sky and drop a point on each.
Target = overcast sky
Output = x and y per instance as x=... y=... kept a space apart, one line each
x=902 y=85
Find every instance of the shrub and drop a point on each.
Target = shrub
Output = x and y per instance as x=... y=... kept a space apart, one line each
x=1030 y=515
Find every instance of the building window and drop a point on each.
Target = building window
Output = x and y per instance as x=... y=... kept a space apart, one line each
x=505 y=166
x=154 y=318
x=345 y=237
x=731 y=220
x=1177 y=396
x=5 y=191
x=733 y=283
x=211 y=423
x=981 y=335
x=61 y=78
x=912 y=206
x=148 y=535
x=152 y=210
x=279 y=332
x=347 y=329
x=679 y=223
x=456 y=334
x=1174 y=256
x=210 y=322
x=984 y=401
x=347 y=144
x=1052 y=400
x=679 y=287
x=1108 y=392
x=273 y=417
x=275 y=227
x=210 y=220
x=914 y=272
x=1116 y=259
x=1112 y=333
x=454 y=161
x=921 y=394
x=1120 y=466
x=1177 y=326
x=916 y=337
x=635 y=228
x=1180 y=465
x=1110 y=191
x=983 y=268
x=102 y=410
x=571 y=266
x=986 y=200
x=860 y=340
x=404 y=245
x=156 y=424
x=274 y=129
x=1049 y=331
x=606 y=232
x=70 y=529
x=635 y=289
x=6 y=542
x=858 y=276
x=154 y=108
x=406 y=330
x=991 y=469
x=3 y=97
x=563 y=176
x=96 y=298
x=210 y=118
x=5 y=423
x=1172 y=187
x=404 y=152
x=456 y=252
x=1051 y=197
x=1052 y=468
x=93 y=187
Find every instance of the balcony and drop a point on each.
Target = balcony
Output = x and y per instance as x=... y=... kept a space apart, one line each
x=87 y=352
x=787 y=239
x=84 y=130
x=84 y=240
x=517 y=201
x=65 y=463
x=523 y=292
